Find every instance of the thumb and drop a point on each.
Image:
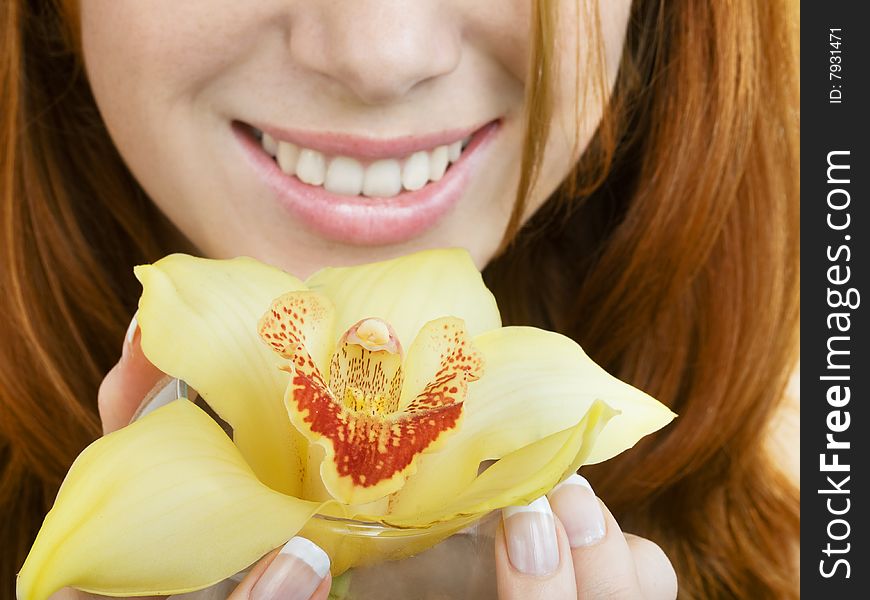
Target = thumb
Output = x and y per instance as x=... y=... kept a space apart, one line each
x=128 y=383
x=298 y=571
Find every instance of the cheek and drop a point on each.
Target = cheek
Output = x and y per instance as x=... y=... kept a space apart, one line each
x=156 y=69
x=500 y=29
x=160 y=49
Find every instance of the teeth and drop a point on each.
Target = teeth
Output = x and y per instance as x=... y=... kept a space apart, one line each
x=270 y=145
x=288 y=155
x=438 y=163
x=416 y=172
x=349 y=177
x=311 y=168
x=344 y=176
x=453 y=151
x=383 y=178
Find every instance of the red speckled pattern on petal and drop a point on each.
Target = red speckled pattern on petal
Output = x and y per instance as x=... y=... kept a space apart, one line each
x=369 y=451
x=459 y=364
x=295 y=327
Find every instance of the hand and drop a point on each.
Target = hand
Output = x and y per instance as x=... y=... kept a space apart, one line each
x=571 y=547
x=298 y=571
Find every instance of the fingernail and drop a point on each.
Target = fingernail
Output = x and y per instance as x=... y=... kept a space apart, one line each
x=579 y=510
x=166 y=391
x=530 y=532
x=130 y=335
x=294 y=574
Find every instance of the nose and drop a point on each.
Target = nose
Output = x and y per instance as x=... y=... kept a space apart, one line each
x=379 y=50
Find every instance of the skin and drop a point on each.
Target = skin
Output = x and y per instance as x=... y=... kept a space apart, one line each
x=169 y=78
x=379 y=68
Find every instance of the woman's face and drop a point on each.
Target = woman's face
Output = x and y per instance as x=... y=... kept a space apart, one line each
x=397 y=125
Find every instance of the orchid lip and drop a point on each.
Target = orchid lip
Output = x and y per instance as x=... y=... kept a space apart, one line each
x=371 y=423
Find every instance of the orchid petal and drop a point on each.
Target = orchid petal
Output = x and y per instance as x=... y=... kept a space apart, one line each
x=198 y=319
x=166 y=505
x=439 y=341
x=534 y=382
x=410 y=291
x=299 y=318
x=520 y=476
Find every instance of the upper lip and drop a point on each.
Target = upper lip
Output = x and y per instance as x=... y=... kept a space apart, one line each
x=344 y=144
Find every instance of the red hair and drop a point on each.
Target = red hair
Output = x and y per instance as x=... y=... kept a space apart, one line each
x=671 y=254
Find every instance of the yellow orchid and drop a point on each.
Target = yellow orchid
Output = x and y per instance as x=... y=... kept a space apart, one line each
x=331 y=418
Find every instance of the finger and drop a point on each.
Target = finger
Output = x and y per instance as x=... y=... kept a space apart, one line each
x=603 y=563
x=655 y=573
x=532 y=556
x=127 y=384
x=299 y=571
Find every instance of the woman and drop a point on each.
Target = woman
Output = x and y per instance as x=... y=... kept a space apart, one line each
x=625 y=172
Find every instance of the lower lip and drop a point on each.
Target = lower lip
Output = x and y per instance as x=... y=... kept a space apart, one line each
x=369 y=221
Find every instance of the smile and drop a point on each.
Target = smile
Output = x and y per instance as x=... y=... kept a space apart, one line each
x=347 y=176
x=365 y=191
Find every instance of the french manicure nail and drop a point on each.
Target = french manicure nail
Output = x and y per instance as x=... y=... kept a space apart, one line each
x=130 y=335
x=294 y=574
x=164 y=392
x=530 y=532
x=579 y=510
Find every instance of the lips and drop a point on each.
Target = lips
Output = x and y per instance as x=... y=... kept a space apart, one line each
x=365 y=191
